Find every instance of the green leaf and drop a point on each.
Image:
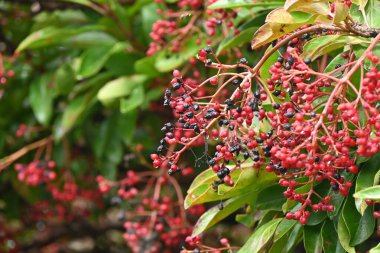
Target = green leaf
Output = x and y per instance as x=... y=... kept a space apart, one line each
x=149 y=16
x=73 y=111
x=369 y=193
x=278 y=23
x=117 y=62
x=265 y=68
x=90 y=39
x=337 y=60
x=288 y=241
x=366 y=179
x=325 y=44
x=93 y=59
x=353 y=228
x=282 y=16
x=120 y=87
x=330 y=239
x=341 y=12
x=52 y=35
x=260 y=237
x=230 y=4
x=308 y=6
x=127 y=126
x=214 y=214
x=271 y=198
x=246 y=178
x=236 y=40
x=361 y=3
x=284 y=228
x=59 y=18
x=294 y=238
x=312 y=239
x=146 y=66
x=373 y=13
x=87 y=3
x=365 y=229
x=375 y=249
x=137 y=5
x=167 y=61
x=344 y=232
x=135 y=99
x=41 y=98
x=64 y=80
x=245 y=219
x=77 y=107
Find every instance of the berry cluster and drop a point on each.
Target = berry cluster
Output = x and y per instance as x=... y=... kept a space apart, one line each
x=170 y=33
x=36 y=173
x=196 y=246
x=5 y=75
x=22 y=129
x=153 y=221
x=299 y=123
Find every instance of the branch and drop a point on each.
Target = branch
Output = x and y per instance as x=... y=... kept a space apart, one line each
x=363 y=30
x=8 y=160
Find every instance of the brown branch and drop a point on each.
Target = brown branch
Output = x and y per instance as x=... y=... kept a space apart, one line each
x=8 y=160
x=363 y=30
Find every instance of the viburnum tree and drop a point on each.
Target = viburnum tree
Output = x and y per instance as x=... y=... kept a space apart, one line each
x=305 y=116
x=266 y=113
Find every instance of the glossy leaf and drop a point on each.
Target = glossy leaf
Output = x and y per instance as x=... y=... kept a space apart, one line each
x=82 y=2
x=41 y=98
x=168 y=61
x=372 y=11
x=353 y=228
x=135 y=99
x=365 y=229
x=344 y=232
x=341 y=13
x=260 y=237
x=265 y=69
x=90 y=39
x=283 y=228
x=52 y=35
x=93 y=59
x=294 y=238
x=214 y=214
x=312 y=239
x=366 y=179
x=271 y=198
x=146 y=66
x=325 y=44
x=362 y=3
x=330 y=239
x=64 y=80
x=308 y=6
x=230 y=4
x=369 y=193
x=334 y=62
x=245 y=219
x=236 y=40
x=278 y=23
x=120 y=87
x=375 y=249
x=77 y=107
x=201 y=190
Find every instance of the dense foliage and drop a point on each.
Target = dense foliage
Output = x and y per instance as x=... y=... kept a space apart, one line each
x=265 y=113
